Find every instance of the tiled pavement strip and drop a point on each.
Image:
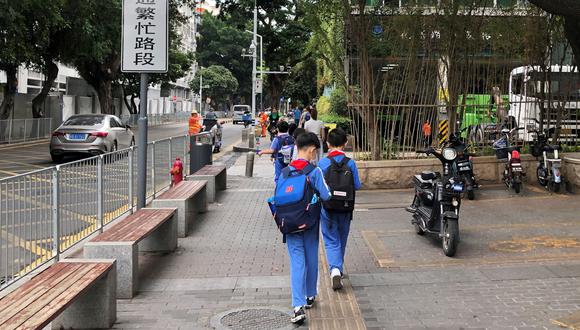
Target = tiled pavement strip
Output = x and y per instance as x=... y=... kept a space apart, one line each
x=234 y=258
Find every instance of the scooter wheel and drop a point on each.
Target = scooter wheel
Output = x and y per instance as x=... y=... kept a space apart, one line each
x=554 y=187
x=517 y=187
x=451 y=238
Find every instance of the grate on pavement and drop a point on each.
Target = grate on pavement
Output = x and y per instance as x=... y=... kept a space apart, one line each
x=255 y=318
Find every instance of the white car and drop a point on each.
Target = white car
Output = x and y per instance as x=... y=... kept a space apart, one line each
x=92 y=134
x=239 y=112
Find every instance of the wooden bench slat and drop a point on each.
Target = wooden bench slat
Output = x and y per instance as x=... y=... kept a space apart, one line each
x=13 y=303
x=136 y=226
x=60 y=303
x=49 y=295
x=184 y=190
x=211 y=170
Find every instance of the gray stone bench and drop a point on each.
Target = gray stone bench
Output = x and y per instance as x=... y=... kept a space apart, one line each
x=216 y=177
x=189 y=198
x=72 y=294
x=147 y=230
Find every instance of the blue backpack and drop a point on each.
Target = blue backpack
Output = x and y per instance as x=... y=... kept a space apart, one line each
x=295 y=206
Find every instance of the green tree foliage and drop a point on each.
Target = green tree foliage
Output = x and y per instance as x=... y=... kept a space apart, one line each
x=280 y=24
x=223 y=44
x=25 y=27
x=301 y=85
x=220 y=82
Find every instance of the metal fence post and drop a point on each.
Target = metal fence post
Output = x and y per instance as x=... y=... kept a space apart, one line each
x=11 y=121
x=56 y=213
x=24 y=134
x=131 y=150
x=100 y=186
x=170 y=157
x=153 y=169
x=185 y=158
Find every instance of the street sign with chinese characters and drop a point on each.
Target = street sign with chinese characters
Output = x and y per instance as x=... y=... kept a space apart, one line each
x=145 y=36
x=259 y=86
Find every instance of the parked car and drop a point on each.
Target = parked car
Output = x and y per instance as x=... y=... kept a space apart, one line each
x=92 y=134
x=239 y=112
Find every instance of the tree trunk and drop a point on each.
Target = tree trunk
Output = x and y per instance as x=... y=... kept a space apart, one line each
x=10 y=89
x=51 y=74
x=105 y=92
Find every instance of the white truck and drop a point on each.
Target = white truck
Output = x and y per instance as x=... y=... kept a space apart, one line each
x=556 y=89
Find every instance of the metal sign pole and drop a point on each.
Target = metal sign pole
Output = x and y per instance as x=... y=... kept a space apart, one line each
x=142 y=144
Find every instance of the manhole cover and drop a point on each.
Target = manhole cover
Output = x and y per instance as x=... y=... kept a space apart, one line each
x=253 y=318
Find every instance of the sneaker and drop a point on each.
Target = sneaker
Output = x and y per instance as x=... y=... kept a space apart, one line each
x=336 y=278
x=299 y=316
x=309 y=302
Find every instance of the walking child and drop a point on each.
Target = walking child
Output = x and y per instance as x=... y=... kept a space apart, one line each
x=297 y=206
x=341 y=175
x=281 y=149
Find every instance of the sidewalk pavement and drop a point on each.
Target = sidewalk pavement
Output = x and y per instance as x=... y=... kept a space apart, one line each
x=518 y=266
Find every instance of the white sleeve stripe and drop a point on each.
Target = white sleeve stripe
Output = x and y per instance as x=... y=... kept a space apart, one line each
x=323 y=181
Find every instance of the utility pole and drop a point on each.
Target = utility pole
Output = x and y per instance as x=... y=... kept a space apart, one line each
x=254 y=57
x=200 y=90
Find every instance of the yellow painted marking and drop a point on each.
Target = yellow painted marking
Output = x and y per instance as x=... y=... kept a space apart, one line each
x=378 y=249
x=26 y=245
x=8 y=173
x=19 y=163
x=24 y=145
x=571 y=322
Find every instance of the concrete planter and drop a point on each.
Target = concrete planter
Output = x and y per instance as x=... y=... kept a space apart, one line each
x=571 y=172
x=396 y=174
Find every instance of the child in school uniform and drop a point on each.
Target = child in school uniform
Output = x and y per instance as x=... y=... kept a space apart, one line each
x=303 y=244
x=337 y=214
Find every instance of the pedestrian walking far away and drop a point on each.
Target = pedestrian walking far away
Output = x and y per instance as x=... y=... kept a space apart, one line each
x=281 y=149
x=297 y=204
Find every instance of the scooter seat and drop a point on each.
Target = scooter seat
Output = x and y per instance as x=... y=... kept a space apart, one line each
x=553 y=147
x=428 y=175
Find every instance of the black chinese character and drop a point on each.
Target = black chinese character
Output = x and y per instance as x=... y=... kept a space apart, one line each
x=145 y=13
x=144 y=28
x=144 y=43
x=145 y=2
x=144 y=59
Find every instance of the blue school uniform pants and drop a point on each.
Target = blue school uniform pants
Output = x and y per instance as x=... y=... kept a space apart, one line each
x=303 y=252
x=335 y=229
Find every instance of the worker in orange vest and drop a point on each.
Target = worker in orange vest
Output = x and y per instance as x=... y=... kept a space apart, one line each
x=194 y=125
x=427 y=133
x=264 y=123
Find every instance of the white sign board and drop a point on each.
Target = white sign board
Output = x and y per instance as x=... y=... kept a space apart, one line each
x=259 y=86
x=145 y=36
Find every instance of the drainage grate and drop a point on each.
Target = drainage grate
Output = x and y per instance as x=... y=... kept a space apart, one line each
x=253 y=318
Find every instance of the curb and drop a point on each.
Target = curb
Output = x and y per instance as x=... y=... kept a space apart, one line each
x=242 y=148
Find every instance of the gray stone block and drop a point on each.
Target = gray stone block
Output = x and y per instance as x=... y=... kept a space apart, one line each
x=186 y=212
x=126 y=254
x=96 y=308
x=163 y=239
x=210 y=186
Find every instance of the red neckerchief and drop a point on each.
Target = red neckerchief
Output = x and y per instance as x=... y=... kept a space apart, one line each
x=335 y=152
x=299 y=164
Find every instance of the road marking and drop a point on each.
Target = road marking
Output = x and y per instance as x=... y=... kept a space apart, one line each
x=9 y=173
x=24 y=244
x=19 y=163
x=24 y=145
x=334 y=309
x=571 y=322
x=382 y=256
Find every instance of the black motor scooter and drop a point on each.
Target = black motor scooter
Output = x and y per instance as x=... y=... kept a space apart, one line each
x=437 y=201
x=463 y=165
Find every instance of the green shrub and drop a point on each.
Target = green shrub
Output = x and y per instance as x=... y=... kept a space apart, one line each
x=323 y=106
x=340 y=121
x=338 y=102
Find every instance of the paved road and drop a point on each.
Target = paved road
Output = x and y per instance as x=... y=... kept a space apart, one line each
x=26 y=202
x=18 y=159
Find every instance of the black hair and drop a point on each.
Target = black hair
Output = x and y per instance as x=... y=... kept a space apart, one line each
x=337 y=137
x=307 y=140
x=283 y=127
x=298 y=131
x=291 y=128
x=314 y=114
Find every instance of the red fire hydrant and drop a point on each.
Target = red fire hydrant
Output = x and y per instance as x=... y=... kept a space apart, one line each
x=176 y=172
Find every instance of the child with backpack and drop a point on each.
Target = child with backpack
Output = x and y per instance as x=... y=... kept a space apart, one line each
x=281 y=149
x=296 y=206
x=341 y=175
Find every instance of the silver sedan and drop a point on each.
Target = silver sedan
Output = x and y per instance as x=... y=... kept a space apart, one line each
x=92 y=134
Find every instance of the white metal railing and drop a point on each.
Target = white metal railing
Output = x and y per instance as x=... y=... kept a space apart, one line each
x=158 y=119
x=46 y=212
x=23 y=130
